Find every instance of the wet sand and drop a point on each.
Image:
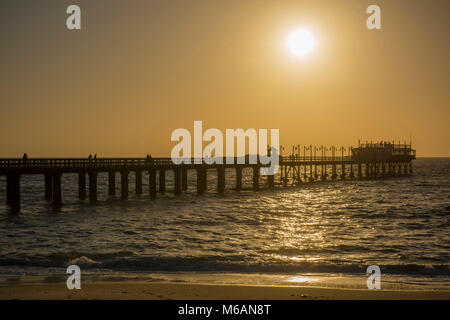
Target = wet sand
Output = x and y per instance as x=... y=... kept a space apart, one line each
x=125 y=290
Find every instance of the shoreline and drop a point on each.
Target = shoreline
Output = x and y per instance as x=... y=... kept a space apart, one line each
x=129 y=290
x=204 y=286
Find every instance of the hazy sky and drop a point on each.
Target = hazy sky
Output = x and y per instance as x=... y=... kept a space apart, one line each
x=140 y=69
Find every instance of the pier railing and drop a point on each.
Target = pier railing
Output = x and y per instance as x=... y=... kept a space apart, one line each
x=12 y=163
x=315 y=158
x=81 y=162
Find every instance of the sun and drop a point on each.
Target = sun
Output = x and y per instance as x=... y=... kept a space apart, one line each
x=300 y=42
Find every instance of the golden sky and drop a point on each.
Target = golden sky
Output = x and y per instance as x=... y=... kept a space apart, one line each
x=140 y=69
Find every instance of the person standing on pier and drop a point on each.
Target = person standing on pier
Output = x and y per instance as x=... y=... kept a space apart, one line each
x=148 y=158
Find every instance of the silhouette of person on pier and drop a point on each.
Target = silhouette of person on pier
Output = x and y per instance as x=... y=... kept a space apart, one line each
x=148 y=159
x=25 y=158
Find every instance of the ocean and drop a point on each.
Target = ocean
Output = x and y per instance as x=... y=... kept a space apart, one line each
x=321 y=233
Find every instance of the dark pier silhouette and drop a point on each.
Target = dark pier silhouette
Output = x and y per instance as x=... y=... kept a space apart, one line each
x=369 y=160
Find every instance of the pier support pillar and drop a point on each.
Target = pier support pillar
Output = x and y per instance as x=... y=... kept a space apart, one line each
x=112 y=183
x=13 y=192
x=390 y=168
x=184 y=184
x=205 y=179
x=359 y=170
x=271 y=181
x=152 y=182
x=124 y=184
x=138 y=181
x=48 y=186
x=9 y=185
x=57 y=193
x=92 y=186
x=82 y=185
x=410 y=168
x=352 y=174
x=343 y=171
x=367 y=169
x=238 y=178
x=162 y=180
x=333 y=172
x=220 y=179
x=256 y=178
x=201 y=180
x=405 y=169
x=299 y=175
x=177 y=180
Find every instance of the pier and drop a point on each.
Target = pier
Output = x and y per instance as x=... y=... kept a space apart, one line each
x=369 y=160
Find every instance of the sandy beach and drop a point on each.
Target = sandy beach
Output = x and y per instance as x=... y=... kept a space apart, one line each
x=176 y=291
